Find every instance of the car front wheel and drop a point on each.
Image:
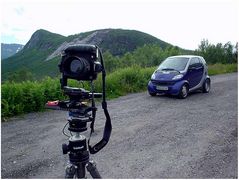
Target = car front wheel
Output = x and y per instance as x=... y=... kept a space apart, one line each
x=183 y=92
x=152 y=94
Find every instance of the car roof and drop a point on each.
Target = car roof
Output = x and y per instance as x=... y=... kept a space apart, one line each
x=186 y=56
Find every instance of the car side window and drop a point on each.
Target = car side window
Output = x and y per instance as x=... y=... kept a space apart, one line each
x=200 y=64
x=193 y=62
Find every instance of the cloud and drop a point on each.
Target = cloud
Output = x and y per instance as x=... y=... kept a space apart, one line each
x=179 y=22
x=19 y=10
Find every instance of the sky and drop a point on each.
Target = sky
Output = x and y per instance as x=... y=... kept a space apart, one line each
x=184 y=23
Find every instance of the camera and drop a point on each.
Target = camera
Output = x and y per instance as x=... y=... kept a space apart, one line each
x=80 y=62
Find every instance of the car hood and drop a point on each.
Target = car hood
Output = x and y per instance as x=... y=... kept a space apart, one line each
x=165 y=75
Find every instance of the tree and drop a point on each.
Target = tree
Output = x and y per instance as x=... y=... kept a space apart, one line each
x=218 y=53
x=235 y=53
x=20 y=75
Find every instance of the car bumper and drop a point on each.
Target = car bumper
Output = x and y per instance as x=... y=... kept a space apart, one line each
x=172 y=88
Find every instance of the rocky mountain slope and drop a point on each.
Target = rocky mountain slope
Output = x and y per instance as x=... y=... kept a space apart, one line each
x=41 y=53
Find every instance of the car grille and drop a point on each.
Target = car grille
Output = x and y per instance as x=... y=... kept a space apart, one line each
x=162 y=83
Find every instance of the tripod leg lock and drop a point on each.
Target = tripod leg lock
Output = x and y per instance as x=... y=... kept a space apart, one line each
x=91 y=168
x=70 y=171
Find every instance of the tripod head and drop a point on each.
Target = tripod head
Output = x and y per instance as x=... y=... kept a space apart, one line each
x=79 y=111
x=79 y=93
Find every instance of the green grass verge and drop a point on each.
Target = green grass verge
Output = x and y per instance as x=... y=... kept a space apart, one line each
x=221 y=68
x=25 y=97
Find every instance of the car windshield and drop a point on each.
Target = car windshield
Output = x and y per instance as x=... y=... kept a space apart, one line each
x=174 y=63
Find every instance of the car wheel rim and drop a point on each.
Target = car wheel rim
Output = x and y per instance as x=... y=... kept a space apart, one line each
x=184 y=91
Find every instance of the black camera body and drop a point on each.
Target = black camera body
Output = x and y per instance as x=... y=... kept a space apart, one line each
x=80 y=62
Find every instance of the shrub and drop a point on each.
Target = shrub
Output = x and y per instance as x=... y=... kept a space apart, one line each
x=31 y=96
x=221 y=68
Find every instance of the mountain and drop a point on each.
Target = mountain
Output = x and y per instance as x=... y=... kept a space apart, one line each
x=41 y=54
x=8 y=50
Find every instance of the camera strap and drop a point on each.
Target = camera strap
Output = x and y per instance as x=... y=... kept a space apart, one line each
x=107 y=132
x=108 y=126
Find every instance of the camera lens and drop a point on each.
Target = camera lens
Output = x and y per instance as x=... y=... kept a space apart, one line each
x=76 y=66
x=80 y=65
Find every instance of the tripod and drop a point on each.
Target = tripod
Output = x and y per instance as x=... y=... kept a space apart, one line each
x=77 y=148
x=79 y=115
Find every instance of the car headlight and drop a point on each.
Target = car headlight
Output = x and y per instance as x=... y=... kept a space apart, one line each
x=179 y=76
x=153 y=76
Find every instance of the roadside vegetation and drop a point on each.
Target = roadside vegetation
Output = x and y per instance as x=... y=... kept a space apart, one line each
x=126 y=74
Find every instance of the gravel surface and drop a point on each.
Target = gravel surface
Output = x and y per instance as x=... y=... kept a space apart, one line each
x=152 y=137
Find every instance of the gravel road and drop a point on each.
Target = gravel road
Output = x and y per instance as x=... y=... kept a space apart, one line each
x=152 y=137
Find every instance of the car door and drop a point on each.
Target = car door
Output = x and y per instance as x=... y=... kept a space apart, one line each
x=200 y=69
x=195 y=72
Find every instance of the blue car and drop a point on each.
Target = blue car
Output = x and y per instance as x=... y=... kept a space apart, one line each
x=179 y=75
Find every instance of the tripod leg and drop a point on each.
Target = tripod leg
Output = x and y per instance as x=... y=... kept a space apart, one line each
x=70 y=171
x=81 y=171
x=91 y=168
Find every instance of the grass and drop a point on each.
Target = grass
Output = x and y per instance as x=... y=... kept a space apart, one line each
x=28 y=96
x=215 y=69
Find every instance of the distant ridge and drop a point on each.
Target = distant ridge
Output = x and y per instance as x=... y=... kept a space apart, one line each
x=41 y=53
x=8 y=50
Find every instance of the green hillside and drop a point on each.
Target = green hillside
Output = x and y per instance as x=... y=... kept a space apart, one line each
x=32 y=57
x=41 y=54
